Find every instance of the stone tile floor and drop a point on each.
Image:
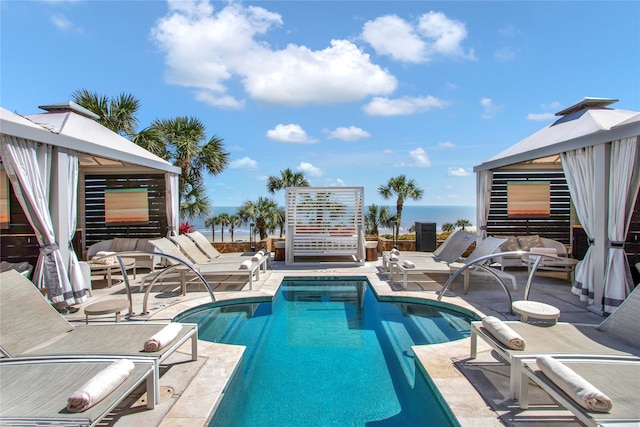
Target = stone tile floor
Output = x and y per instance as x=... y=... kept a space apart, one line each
x=475 y=390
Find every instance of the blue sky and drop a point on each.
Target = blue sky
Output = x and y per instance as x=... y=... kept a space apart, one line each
x=351 y=93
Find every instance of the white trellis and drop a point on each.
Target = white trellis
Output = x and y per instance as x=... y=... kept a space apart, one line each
x=325 y=221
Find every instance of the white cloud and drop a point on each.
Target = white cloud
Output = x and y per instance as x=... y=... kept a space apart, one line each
x=540 y=117
x=61 y=22
x=419 y=158
x=290 y=133
x=309 y=169
x=509 y=31
x=458 y=172
x=352 y=133
x=395 y=37
x=489 y=108
x=243 y=163
x=211 y=51
x=433 y=34
x=555 y=105
x=504 y=54
x=334 y=182
x=402 y=106
x=446 y=144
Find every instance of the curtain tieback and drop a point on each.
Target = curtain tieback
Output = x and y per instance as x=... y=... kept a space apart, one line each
x=591 y=241
x=618 y=245
x=483 y=227
x=48 y=249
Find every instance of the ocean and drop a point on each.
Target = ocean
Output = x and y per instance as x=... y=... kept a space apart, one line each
x=410 y=215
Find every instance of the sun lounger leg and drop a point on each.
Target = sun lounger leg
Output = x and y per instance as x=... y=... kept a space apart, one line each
x=156 y=388
x=524 y=392
x=474 y=344
x=404 y=279
x=194 y=347
x=466 y=280
x=152 y=380
x=514 y=377
x=183 y=282
x=251 y=281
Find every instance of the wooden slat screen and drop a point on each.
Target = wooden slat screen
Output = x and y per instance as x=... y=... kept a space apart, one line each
x=556 y=226
x=95 y=226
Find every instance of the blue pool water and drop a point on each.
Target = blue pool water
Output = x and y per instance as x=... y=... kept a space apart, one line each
x=328 y=353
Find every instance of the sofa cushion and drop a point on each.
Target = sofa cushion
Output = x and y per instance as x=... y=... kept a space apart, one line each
x=510 y=245
x=121 y=244
x=528 y=242
x=144 y=245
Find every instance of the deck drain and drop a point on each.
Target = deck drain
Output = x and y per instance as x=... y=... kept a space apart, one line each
x=166 y=393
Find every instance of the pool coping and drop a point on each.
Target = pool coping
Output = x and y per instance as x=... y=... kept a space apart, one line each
x=462 y=399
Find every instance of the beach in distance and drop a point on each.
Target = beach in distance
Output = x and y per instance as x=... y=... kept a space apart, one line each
x=410 y=215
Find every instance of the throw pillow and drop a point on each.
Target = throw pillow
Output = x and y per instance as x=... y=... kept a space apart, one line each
x=510 y=245
x=528 y=242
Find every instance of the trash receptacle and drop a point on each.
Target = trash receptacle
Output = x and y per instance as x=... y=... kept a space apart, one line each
x=371 y=251
x=279 y=251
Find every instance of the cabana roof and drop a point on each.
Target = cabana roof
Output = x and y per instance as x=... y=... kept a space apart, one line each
x=70 y=126
x=586 y=123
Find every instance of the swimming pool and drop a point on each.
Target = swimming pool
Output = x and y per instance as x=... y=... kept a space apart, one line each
x=326 y=352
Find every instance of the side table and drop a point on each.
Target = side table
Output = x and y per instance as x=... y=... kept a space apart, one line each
x=107 y=269
x=111 y=306
x=535 y=309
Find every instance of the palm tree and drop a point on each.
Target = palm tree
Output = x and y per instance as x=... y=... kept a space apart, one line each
x=263 y=212
x=462 y=223
x=234 y=221
x=288 y=178
x=118 y=114
x=448 y=227
x=183 y=139
x=375 y=217
x=281 y=219
x=212 y=222
x=403 y=188
x=223 y=220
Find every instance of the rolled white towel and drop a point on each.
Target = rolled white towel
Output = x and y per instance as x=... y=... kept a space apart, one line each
x=503 y=333
x=104 y=257
x=576 y=387
x=98 y=387
x=263 y=251
x=246 y=265
x=395 y=251
x=408 y=264
x=257 y=256
x=163 y=337
x=394 y=257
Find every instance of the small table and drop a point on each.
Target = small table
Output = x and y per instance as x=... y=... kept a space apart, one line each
x=567 y=265
x=538 y=310
x=111 y=306
x=101 y=268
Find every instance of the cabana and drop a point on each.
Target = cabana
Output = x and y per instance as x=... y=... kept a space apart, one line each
x=598 y=150
x=325 y=222
x=45 y=158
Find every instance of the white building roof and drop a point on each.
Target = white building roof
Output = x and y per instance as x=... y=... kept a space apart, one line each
x=584 y=124
x=71 y=128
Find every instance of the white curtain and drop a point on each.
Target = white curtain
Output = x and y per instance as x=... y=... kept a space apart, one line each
x=579 y=169
x=28 y=166
x=75 y=274
x=623 y=190
x=483 y=193
x=173 y=204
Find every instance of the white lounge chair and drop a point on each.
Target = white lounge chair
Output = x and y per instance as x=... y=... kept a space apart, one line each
x=35 y=391
x=183 y=267
x=195 y=253
x=32 y=327
x=617 y=379
x=614 y=337
x=484 y=247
